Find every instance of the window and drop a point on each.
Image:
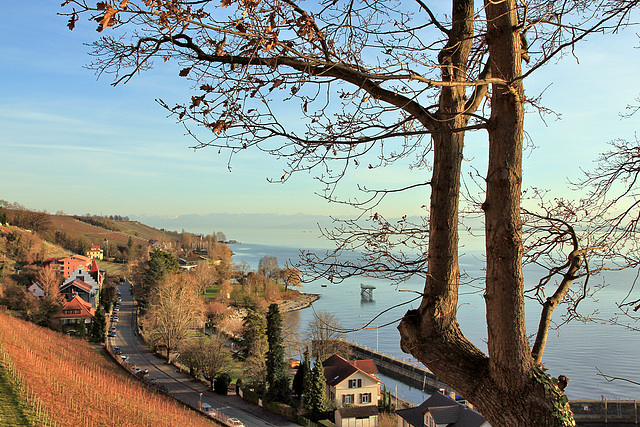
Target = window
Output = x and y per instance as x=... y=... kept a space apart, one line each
x=429 y=421
x=355 y=383
x=347 y=399
x=365 y=398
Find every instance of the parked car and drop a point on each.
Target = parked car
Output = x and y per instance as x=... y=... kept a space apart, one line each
x=112 y=334
x=234 y=422
x=207 y=409
x=117 y=351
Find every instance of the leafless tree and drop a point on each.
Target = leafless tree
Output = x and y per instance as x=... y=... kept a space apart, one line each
x=174 y=309
x=379 y=83
x=208 y=357
x=326 y=336
x=268 y=266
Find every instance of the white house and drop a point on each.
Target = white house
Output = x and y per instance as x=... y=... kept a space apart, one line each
x=36 y=290
x=355 y=389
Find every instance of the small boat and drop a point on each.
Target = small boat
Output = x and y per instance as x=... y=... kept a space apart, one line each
x=324 y=285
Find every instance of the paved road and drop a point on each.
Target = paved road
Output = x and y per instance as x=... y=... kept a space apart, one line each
x=178 y=384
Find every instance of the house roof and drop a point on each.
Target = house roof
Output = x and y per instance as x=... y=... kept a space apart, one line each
x=77 y=283
x=366 y=365
x=36 y=289
x=92 y=278
x=75 y=257
x=338 y=369
x=78 y=303
x=94 y=266
x=444 y=410
x=358 y=411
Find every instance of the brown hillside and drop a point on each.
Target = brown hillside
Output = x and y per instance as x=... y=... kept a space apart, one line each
x=76 y=228
x=140 y=233
x=67 y=383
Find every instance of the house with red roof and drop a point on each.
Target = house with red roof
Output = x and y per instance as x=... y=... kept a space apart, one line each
x=76 y=311
x=352 y=384
x=95 y=252
x=96 y=272
x=82 y=283
x=441 y=411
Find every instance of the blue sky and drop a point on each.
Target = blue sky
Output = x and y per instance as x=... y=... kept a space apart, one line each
x=71 y=142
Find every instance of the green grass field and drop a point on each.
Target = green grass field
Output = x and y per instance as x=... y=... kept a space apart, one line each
x=211 y=292
x=12 y=409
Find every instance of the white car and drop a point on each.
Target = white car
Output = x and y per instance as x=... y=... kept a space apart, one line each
x=234 y=422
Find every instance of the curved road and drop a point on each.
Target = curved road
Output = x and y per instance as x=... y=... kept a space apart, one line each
x=179 y=384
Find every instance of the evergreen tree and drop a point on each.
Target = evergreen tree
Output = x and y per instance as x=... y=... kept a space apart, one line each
x=254 y=331
x=315 y=400
x=303 y=370
x=97 y=326
x=81 y=329
x=161 y=264
x=277 y=379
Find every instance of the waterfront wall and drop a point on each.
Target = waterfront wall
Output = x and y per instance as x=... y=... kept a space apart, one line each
x=596 y=413
x=411 y=375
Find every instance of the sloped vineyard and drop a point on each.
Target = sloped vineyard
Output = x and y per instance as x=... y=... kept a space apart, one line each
x=67 y=383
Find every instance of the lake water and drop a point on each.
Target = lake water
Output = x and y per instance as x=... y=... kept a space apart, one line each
x=577 y=350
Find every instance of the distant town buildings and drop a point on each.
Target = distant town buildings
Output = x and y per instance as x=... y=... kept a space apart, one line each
x=82 y=281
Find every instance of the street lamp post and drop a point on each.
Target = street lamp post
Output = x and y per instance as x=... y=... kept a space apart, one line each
x=200 y=402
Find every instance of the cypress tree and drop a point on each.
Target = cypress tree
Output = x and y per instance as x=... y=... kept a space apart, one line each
x=277 y=379
x=315 y=400
x=303 y=370
x=98 y=326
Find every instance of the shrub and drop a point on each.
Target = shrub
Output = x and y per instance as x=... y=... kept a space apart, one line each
x=221 y=383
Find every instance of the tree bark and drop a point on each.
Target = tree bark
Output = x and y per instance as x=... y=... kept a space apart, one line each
x=506 y=386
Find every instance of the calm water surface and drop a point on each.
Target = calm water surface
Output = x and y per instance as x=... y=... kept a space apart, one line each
x=577 y=350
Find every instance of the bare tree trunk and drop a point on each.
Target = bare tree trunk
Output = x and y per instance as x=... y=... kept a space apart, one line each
x=509 y=389
x=508 y=349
